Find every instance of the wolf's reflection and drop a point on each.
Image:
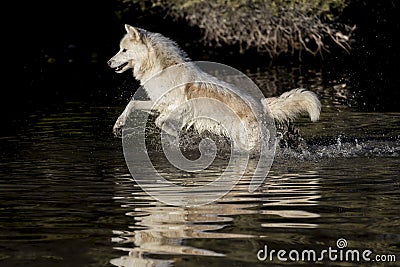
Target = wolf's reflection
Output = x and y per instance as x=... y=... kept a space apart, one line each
x=161 y=234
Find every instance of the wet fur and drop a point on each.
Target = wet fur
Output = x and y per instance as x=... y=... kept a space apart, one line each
x=149 y=54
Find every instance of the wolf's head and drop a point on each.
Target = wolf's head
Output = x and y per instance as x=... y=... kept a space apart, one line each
x=132 y=50
x=145 y=51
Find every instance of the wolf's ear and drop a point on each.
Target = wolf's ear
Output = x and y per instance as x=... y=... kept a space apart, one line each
x=132 y=31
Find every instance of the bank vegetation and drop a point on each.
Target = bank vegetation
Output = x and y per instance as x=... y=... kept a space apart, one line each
x=272 y=26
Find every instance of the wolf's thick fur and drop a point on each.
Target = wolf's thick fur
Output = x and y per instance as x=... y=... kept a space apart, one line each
x=149 y=54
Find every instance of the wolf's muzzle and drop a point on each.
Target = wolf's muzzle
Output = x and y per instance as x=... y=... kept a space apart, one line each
x=119 y=68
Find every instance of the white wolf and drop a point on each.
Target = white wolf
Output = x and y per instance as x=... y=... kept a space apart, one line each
x=148 y=54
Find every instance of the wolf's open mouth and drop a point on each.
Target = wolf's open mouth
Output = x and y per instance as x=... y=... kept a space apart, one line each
x=120 y=67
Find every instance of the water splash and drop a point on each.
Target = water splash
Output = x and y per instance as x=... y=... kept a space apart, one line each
x=341 y=147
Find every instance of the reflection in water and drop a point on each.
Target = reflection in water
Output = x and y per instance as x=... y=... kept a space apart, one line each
x=292 y=190
x=158 y=229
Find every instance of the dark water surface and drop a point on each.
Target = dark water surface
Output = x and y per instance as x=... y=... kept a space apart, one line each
x=67 y=198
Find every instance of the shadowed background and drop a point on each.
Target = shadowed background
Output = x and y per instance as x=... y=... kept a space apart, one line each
x=58 y=51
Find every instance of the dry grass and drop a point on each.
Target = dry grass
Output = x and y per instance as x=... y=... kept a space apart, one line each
x=275 y=27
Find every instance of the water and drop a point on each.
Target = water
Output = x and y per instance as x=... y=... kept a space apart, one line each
x=67 y=198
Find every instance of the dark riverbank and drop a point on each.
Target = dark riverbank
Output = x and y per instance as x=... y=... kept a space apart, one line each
x=62 y=48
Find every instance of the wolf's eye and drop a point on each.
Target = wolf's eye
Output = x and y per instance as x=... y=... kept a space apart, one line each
x=124 y=50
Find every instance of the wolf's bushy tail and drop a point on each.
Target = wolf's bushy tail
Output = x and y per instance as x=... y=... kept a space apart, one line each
x=293 y=103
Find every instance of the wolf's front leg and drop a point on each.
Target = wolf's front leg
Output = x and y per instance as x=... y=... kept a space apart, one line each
x=132 y=105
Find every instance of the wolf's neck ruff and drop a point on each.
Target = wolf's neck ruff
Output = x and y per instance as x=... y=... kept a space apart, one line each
x=162 y=53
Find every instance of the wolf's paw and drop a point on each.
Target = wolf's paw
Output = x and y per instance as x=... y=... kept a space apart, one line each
x=117 y=129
